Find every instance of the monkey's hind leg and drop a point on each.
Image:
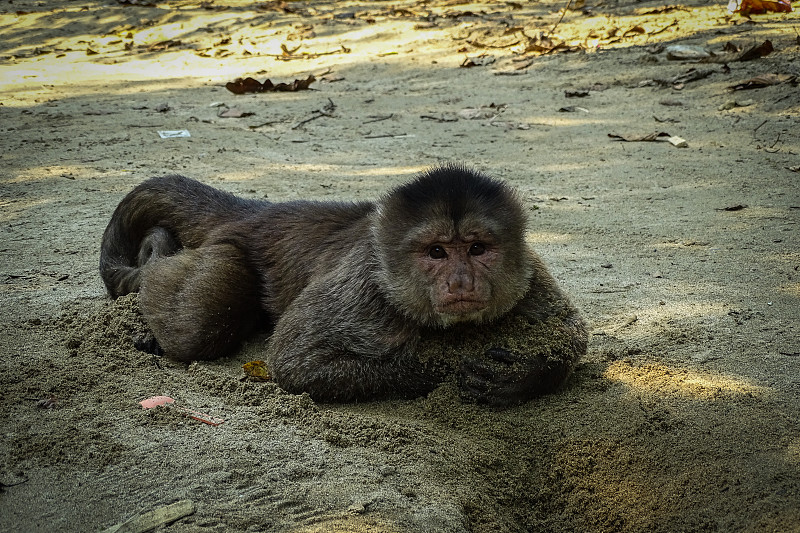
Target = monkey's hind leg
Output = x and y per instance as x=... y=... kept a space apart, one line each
x=123 y=279
x=200 y=303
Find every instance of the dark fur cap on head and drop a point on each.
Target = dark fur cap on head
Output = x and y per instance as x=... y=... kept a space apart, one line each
x=454 y=191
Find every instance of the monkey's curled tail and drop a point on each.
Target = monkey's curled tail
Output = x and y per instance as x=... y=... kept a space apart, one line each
x=158 y=218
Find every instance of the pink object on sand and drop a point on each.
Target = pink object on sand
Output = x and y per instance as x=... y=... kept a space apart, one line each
x=155 y=401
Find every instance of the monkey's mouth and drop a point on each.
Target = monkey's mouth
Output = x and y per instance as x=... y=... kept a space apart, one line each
x=460 y=306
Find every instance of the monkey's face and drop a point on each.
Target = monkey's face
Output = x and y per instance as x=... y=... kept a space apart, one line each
x=456 y=267
x=445 y=271
x=451 y=247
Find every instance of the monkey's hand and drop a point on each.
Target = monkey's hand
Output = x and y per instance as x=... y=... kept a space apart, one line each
x=503 y=377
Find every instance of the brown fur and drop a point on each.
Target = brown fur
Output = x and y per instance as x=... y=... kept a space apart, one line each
x=358 y=295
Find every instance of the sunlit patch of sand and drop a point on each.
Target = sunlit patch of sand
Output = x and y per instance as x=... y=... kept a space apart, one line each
x=661 y=379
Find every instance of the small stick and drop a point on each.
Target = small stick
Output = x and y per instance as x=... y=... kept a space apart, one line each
x=324 y=112
x=386 y=135
x=378 y=118
x=154 y=519
x=319 y=114
x=569 y=3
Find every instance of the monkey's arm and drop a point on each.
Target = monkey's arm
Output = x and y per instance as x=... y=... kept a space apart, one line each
x=532 y=350
x=339 y=340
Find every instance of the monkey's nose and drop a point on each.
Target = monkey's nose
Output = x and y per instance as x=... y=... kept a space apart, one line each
x=459 y=283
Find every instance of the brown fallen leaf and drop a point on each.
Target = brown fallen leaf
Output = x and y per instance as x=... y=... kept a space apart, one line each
x=650 y=137
x=257 y=370
x=757 y=52
x=681 y=79
x=479 y=44
x=759 y=82
x=440 y=118
x=285 y=50
x=246 y=85
x=542 y=43
x=278 y=5
x=635 y=29
x=163 y=45
x=731 y=47
x=748 y=7
x=250 y=85
x=737 y=207
x=477 y=61
x=661 y=10
x=572 y=93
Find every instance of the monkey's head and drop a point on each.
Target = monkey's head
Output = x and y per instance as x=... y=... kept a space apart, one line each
x=451 y=246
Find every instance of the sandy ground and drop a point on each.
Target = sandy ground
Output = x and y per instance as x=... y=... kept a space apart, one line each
x=685 y=414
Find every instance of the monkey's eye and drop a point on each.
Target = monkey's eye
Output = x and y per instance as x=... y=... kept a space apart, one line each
x=477 y=249
x=437 y=252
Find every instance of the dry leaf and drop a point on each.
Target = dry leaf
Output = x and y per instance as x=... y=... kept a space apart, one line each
x=757 y=52
x=285 y=50
x=250 y=85
x=479 y=61
x=765 y=80
x=257 y=370
x=635 y=29
x=748 y=7
x=571 y=93
x=650 y=137
x=681 y=79
x=730 y=47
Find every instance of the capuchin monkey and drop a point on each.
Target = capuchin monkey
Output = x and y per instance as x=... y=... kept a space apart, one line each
x=364 y=300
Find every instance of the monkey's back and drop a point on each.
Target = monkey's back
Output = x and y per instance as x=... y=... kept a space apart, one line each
x=291 y=243
x=285 y=242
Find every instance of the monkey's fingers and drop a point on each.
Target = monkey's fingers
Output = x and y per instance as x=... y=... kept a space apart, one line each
x=147 y=343
x=502 y=355
x=498 y=382
x=484 y=381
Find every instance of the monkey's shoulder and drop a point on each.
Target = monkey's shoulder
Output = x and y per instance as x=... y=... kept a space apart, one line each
x=322 y=213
